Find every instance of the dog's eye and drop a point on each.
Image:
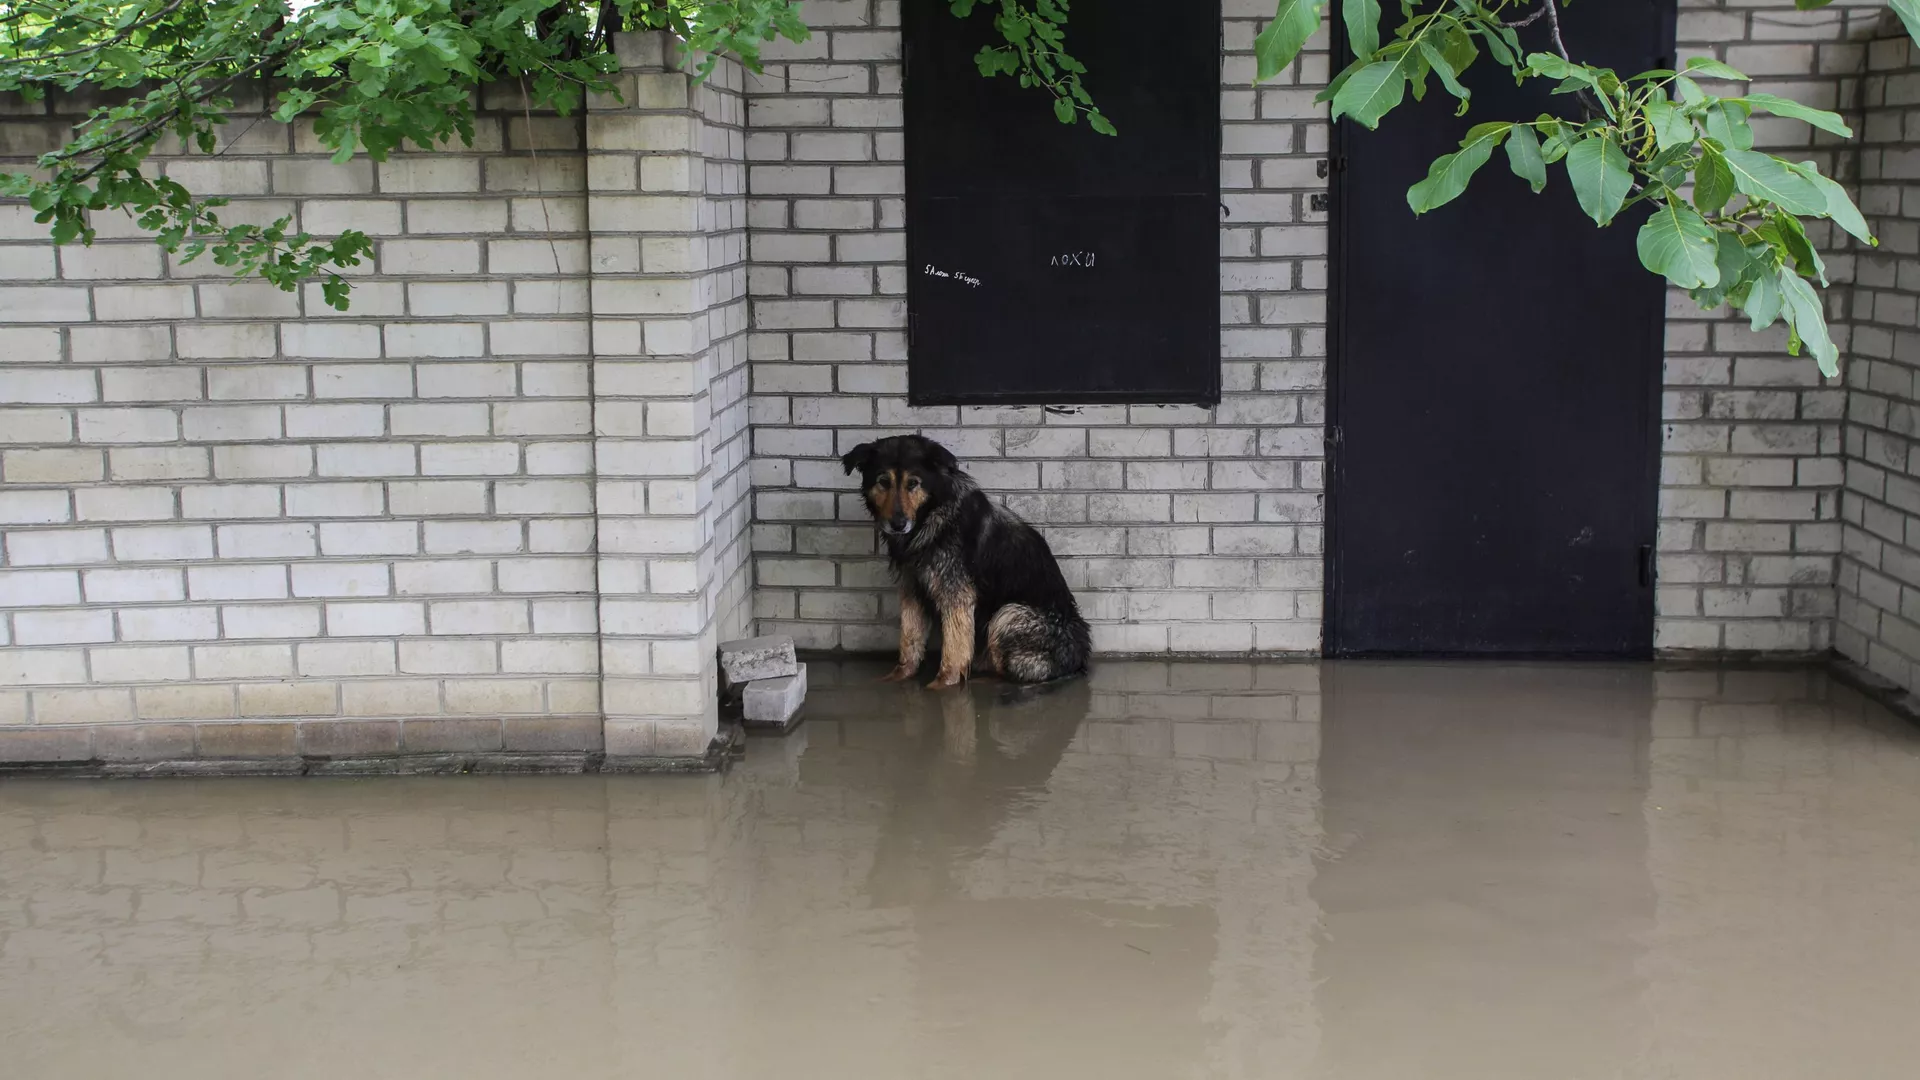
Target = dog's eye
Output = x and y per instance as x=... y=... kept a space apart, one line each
x=913 y=483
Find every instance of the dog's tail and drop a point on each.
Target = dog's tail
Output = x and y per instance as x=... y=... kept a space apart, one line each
x=1038 y=644
x=1073 y=643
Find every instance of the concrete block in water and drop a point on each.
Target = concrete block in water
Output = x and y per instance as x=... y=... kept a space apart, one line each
x=752 y=659
x=775 y=703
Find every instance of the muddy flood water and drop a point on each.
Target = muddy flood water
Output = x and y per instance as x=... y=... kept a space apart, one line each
x=1332 y=871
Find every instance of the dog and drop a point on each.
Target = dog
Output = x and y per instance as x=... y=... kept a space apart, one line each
x=987 y=577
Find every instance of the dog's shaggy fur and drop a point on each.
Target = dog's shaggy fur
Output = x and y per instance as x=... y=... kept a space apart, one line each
x=983 y=575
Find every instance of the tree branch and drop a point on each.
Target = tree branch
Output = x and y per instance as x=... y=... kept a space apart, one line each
x=1553 y=23
x=157 y=124
x=123 y=34
x=1529 y=20
x=1552 y=15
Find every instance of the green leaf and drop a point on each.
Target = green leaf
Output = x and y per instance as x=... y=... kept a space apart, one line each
x=1909 y=12
x=1763 y=176
x=1608 y=83
x=1523 y=154
x=1763 y=301
x=1460 y=51
x=1671 y=127
x=1063 y=110
x=1735 y=265
x=335 y=290
x=1447 y=177
x=1444 y=69
x=1727 y=122
x=1802 y=309
x=1553 y=67
x=1839 y=204
x=1600 y=175
x=1819 y=118
x=1510 y=36
x=1712 y=181
x=1372 y=92
x=1333 y=88
x=1679 y=245
x=1363 y=25
x=1559 y=137
x=1690 y=91
x=1793 y=237
x=1294 y=21
x=1100 y=124
x=1666 y=164
x=1707 y=67
x=1499 y=50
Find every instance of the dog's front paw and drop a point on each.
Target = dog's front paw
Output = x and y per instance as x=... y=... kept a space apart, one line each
x=899 y=674
x=947 y=680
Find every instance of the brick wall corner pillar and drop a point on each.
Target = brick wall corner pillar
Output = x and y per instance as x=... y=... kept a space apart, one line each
x=652 y=368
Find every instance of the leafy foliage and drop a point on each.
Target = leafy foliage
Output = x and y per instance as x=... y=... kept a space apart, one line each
x=374 y=76
x=1726 y=222
x=1035 y=53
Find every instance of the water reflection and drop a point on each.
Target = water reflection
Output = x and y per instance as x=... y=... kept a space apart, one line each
x=1488 y=895
x=1104 y=878
x=1783 y=823
x=1244 y=871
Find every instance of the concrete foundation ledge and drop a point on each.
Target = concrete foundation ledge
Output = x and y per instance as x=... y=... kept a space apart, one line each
x=332 y=747
x=500 y=764
x=1897 y=699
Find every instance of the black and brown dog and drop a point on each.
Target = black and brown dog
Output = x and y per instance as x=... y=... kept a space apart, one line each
x=987 y=577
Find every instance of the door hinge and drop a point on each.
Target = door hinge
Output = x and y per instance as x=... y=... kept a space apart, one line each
x=1646 y=566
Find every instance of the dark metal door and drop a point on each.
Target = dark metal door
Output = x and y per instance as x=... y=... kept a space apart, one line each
x=1047 y=264
x=1495 y=387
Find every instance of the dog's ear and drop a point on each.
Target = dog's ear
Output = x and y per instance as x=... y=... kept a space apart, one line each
x=858 y=458
x=940 y=457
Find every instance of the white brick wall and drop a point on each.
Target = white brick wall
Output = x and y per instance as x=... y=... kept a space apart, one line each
x=1189 y=530
x=212 y=484
x=1879 y=601
x=1181 y=529
x=1750 y=489
x=667 y=211
x=584 y=418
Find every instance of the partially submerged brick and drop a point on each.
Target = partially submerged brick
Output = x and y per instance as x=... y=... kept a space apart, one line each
x=751 y=659
x=775 y=703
